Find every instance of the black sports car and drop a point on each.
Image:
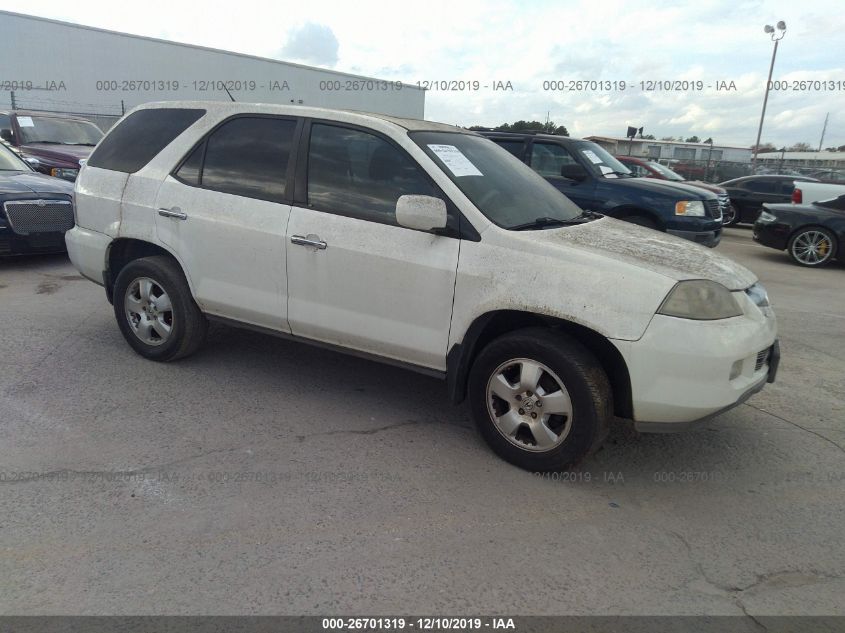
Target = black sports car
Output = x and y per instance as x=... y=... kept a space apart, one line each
x=811 y=233
x=749 y=193
x=35 y=210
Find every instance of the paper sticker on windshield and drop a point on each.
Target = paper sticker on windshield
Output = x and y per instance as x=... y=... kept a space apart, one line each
x=605 y=169
x=25 y=121
x=455 y=160
x=592 y=156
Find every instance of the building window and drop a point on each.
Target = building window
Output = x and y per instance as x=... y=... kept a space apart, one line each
x=654 y=151
x=684 y=153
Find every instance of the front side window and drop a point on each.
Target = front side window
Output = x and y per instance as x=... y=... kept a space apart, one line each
x=762 y=186
x=361 y=175
x=246 y=156
x=547 y=159
x=505 y=190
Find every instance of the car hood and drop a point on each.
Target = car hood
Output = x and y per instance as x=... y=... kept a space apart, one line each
x=651 y=250
x=29 y=182
x=705 y=185
x=72 y=153
x=675 y=190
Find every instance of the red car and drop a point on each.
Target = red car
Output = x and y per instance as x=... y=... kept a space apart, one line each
x=652 y=169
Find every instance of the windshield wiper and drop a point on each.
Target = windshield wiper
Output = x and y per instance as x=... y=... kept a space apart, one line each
x=539 y=223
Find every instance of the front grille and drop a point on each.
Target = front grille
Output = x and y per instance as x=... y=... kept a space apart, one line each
x=714 y=209
x=762 y=358
x=39 y=216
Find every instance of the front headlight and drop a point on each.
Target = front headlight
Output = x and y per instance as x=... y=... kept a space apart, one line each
x=64 y=172
x=700 y=299
x=765 y=216
x=689 y=207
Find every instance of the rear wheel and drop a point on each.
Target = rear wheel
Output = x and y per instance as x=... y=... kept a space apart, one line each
x=812 y=246
x=539 y=399
x=155 y=310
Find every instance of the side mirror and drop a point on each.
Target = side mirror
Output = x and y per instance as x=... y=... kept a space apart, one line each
x=6 y=135
x=32 y=161
x=423 y=213
x=573 y=171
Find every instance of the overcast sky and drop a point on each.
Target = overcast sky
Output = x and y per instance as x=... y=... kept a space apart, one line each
x=527 y=43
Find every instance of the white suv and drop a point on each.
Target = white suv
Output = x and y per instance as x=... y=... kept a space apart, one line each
x=423 y=245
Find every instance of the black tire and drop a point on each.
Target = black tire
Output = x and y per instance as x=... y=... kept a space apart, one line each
x=732 y=216
x=641 y=220
x=577 y=370
x=188 y=324
x=805 y=234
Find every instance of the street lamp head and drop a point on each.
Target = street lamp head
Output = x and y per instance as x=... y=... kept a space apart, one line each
x=768 y=28
x=782 y=25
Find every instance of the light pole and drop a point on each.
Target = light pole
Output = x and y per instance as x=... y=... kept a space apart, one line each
x=777 y=36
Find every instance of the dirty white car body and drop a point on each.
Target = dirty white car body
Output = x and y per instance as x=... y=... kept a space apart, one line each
x=409 y=293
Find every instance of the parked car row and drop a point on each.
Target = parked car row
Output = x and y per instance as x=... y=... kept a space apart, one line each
x=428 y=246
x=594 y=180
x=54 y=144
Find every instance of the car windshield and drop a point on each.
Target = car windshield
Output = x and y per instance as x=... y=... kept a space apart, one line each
x=836 y=203
x=664 y=171
x=508 y=192
x=43 y=129
x=9 y=161
x=600 y=161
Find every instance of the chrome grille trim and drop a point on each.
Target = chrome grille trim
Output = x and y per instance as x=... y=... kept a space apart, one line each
x=39 y=216
x=714 y=209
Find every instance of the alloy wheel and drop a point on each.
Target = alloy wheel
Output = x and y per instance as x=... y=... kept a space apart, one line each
x=149 y=311
x=812 y=248
x=529 y=405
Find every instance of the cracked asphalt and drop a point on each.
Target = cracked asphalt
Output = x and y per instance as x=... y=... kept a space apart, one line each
x=263 y=476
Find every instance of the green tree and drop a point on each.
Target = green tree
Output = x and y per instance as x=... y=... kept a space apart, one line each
x=693 y=139
x=800 y=147
x=527 y=126
x=648 y=137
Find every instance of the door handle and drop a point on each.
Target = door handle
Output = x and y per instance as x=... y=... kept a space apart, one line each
x=311 y=240
x=174 y=212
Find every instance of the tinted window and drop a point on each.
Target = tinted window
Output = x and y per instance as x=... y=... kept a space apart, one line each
x=786 y=187
x=762 y=186
x=190 y=170
x=249 y=157
x=360 y=175
x=137 y=139
x=548 y=158
x=836 y=203
x=517 y=148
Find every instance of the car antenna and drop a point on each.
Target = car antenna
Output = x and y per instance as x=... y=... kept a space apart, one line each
x=228 y=93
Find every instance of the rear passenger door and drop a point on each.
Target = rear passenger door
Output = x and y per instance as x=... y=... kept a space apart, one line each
x=356 y=278
x=224 y=212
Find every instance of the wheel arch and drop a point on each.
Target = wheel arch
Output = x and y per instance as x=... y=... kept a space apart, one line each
x=124 y=250
x=628 y=210
x=491 y=325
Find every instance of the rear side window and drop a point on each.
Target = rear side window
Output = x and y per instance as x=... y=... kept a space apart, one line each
x=139 y=137
x=517 y=148
x=247 y=156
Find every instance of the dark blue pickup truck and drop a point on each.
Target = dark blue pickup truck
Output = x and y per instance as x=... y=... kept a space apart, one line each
x=594 y=180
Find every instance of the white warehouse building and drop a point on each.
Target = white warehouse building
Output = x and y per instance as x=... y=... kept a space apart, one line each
x=62 y=67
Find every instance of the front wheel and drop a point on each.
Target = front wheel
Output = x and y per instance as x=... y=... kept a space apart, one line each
x=641 y=220
x=730 y=216
x=540 y=399
x=155 y=310
x=812 y=246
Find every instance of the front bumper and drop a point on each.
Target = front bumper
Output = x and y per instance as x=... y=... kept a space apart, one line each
x=705 y=238
x=684 y=371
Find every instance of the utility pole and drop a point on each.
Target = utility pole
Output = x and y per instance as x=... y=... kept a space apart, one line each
x=824 y=129
x=776 y=39
x=13 y=99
